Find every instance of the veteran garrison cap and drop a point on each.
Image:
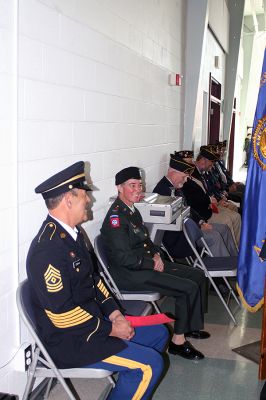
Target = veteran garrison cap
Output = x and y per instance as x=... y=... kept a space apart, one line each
x=209 y=153
x=181 y=165
x=126 y=174
x=68 y=179
x=184 y=154
x=222 y=144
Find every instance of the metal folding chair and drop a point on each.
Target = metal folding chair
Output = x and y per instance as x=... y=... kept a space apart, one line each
x=42 y=364
x=147 y=296
x=213 y=267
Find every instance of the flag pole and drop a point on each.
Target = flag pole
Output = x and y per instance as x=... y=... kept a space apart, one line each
x=262 y=366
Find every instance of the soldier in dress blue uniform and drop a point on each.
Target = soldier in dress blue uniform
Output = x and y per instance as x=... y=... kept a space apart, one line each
x=137 y=264
x=78 y=320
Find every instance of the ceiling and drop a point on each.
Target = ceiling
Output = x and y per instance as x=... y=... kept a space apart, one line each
x=256 y=5
x=254 y=16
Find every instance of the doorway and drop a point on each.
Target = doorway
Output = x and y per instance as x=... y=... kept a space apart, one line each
x=214 y=110
x=232 y=140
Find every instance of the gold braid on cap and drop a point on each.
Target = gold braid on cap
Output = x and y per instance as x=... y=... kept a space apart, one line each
x=182 y=162
x=209 y=151
x=65 y=182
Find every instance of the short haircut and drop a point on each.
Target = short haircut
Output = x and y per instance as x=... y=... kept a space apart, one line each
x=53 y=202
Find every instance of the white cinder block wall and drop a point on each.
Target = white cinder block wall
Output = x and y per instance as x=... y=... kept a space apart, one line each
x=93 y=86
x=9 y=327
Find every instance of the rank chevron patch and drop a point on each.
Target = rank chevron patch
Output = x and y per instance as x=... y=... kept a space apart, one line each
x=53 y=279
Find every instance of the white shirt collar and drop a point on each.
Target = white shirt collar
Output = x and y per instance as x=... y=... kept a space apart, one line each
x=73 y=232
x=132 y=208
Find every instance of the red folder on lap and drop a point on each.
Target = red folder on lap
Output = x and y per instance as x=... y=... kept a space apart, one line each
x=147 y=320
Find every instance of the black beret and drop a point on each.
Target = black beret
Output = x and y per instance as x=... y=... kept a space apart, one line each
x=126 y=174
x=208 y=152
x=184 y=154
x=68 y=179
x=181 y=165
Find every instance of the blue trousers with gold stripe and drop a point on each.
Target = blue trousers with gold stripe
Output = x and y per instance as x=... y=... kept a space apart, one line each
x=140 y=365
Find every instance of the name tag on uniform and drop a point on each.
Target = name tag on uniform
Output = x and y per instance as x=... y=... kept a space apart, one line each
x=76 y=264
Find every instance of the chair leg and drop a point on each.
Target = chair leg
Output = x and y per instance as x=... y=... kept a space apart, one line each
x=157 y=309
x=231 y=290
x=188 y=261
x=48 y=388
x=111 y=380
x=64 y=384
x=29 y=386
x=223 y=301
x=167 y=252
x=110 y=387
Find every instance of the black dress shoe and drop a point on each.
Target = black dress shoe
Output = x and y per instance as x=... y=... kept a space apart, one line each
x=185 y=350
x=198 y=335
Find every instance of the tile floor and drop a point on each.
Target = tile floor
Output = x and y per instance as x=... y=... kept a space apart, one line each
x=222 y=375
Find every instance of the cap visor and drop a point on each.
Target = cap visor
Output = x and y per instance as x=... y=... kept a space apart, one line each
x=90 y=187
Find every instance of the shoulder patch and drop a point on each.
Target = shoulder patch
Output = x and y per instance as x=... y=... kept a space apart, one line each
x=48 y=232
x=53 y=279
x=114 y=221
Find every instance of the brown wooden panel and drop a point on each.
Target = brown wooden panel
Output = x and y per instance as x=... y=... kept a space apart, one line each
x=262 y=367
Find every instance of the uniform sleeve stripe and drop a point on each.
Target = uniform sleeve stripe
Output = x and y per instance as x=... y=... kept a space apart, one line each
x=70 y=318
x=95 y=330
x=69 y=324
x=74 y=311
x=131 y=364
x=102 y=288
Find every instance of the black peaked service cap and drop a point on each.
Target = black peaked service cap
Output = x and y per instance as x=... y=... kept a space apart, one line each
x=70 y=178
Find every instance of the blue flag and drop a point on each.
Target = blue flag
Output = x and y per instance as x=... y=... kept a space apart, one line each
x=251 y=269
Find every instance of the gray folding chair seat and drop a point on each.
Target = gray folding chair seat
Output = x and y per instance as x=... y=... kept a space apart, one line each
x=42 y=364
x=221 y=263
x=213 y=267
x=147 y=296
x=136 y=307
